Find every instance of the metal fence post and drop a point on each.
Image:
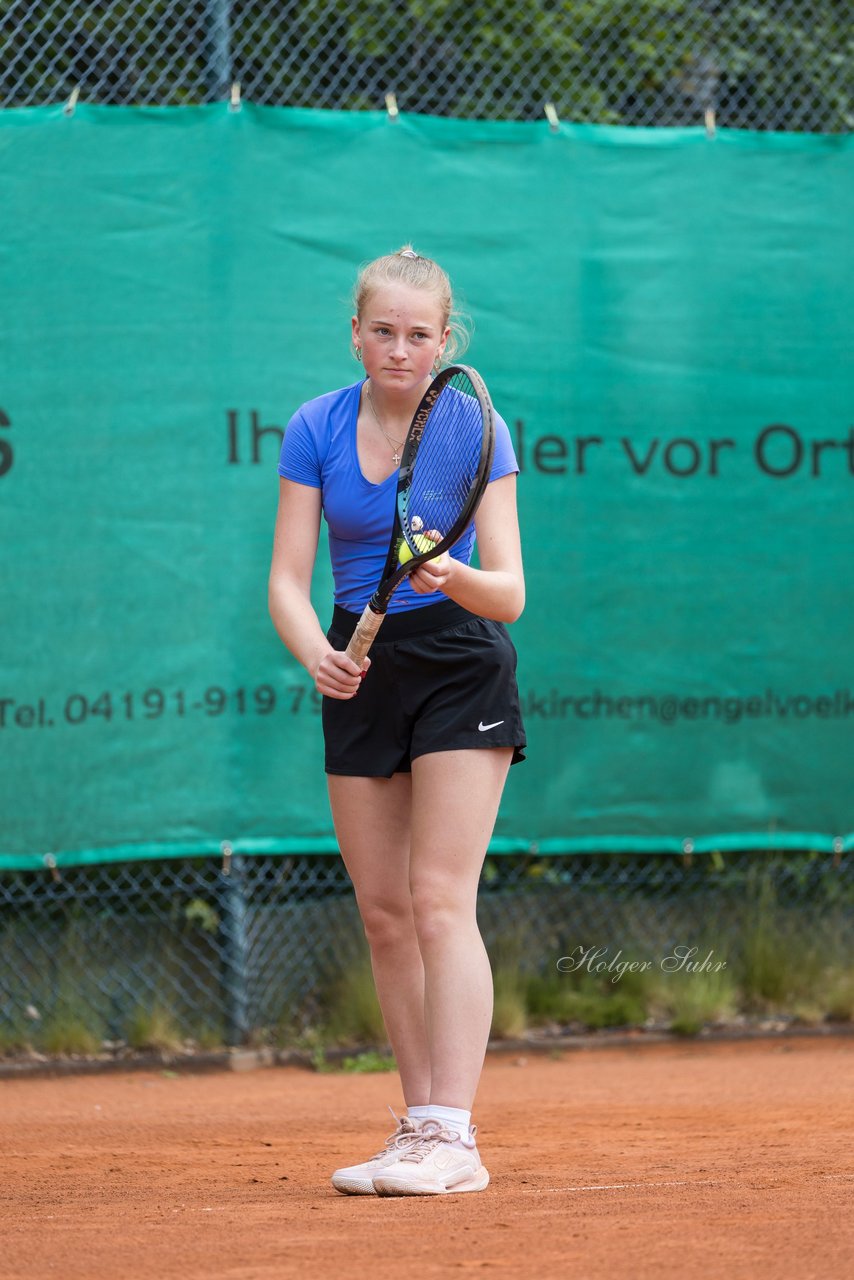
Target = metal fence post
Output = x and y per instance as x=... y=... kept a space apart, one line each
x=234 y=945
x=217 y=49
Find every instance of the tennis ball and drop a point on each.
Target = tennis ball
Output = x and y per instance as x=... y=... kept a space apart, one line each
x=423 y=544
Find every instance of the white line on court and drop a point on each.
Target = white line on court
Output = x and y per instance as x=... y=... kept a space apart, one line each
x=622 y=1186
x=688 y=1182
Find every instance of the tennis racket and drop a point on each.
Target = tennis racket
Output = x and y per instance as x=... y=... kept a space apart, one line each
x=444 y=471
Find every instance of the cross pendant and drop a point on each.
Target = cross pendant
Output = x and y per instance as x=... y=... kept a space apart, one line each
x=395 y=457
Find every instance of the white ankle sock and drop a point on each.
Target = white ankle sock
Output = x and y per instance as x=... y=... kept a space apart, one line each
x=417 y=1113
x=452 y=1117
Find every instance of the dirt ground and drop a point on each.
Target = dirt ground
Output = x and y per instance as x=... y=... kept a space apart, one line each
x=677 y=1160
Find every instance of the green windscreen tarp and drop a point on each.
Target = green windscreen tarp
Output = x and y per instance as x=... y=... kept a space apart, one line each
x=663 y=319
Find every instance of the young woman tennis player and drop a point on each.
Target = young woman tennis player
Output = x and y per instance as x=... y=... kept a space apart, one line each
x=419 y=742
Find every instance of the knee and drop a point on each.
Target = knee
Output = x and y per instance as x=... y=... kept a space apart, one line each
x=387 y=922
x=440 y=911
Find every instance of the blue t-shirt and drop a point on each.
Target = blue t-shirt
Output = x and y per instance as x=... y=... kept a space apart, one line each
x=319 y=449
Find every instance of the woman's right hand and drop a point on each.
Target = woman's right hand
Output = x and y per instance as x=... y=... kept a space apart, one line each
x=336 y=676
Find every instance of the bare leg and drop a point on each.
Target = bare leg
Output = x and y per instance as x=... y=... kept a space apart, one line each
x=455 y=798
x=372 y=823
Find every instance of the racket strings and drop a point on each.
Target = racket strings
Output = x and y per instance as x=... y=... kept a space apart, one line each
x=446 y=466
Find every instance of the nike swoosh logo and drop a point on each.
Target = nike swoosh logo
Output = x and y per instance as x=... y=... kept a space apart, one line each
x=483 y=727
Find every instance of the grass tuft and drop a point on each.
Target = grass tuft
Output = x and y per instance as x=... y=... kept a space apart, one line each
x=209 y=1037
x=15 y=1039
x=839 y=1001
x=351 y=1009
x=509 y=1012
x=692 y=1000
x=68 y=1033
x=368 y=1062
x=154 y=1028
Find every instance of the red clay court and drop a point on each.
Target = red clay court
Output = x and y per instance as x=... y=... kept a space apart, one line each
x=697 y=1159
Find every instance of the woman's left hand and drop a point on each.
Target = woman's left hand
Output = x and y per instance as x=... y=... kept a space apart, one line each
x=433 y=575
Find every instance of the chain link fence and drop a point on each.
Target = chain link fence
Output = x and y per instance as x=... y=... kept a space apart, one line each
x=784 y=65
x=247 y=948
x=239 y=952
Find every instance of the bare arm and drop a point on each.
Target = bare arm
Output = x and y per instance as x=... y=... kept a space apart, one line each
x=289 y=593
x=497 y=589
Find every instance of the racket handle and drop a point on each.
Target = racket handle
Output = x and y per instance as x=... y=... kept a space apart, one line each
x=363 y=637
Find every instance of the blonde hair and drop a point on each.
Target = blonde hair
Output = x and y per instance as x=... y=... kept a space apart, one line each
x=405 y=266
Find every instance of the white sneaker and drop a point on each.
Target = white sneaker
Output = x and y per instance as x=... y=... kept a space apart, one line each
x=357 y=1179
x=437 y=1163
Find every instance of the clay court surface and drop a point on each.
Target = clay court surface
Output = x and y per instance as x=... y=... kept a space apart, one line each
x=683 y=1160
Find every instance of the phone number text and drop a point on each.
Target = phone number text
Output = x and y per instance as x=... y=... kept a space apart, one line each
x=155 y=702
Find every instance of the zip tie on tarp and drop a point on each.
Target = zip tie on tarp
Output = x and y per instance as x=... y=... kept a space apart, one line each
x=226 y=857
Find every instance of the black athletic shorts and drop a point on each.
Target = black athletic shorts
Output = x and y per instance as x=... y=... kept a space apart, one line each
x=441 y=679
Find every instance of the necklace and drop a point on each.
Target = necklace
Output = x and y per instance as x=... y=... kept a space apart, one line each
x=395 y=444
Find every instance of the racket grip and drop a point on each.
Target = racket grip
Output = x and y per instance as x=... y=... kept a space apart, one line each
x=363 y=637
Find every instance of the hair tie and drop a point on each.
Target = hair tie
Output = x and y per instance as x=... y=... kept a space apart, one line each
x=407 y=253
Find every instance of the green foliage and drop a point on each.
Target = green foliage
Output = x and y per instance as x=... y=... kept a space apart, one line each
x=69 y=1032
x=153 y=1027
x=692 y=1000
x=15 y=1037
x=368 y=1062
x=595 y=1007
x=208 y=1036
x=779 y=962
x=839 y=994
x=311 y=1041
x=318 y=1056
x=782 y=921
x=762 y=64
x=200 y=913
x=351 y=1010
x=509 y=1012
x=590 y=1001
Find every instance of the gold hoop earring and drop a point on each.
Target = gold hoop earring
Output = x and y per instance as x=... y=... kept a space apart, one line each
x=437 y=364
